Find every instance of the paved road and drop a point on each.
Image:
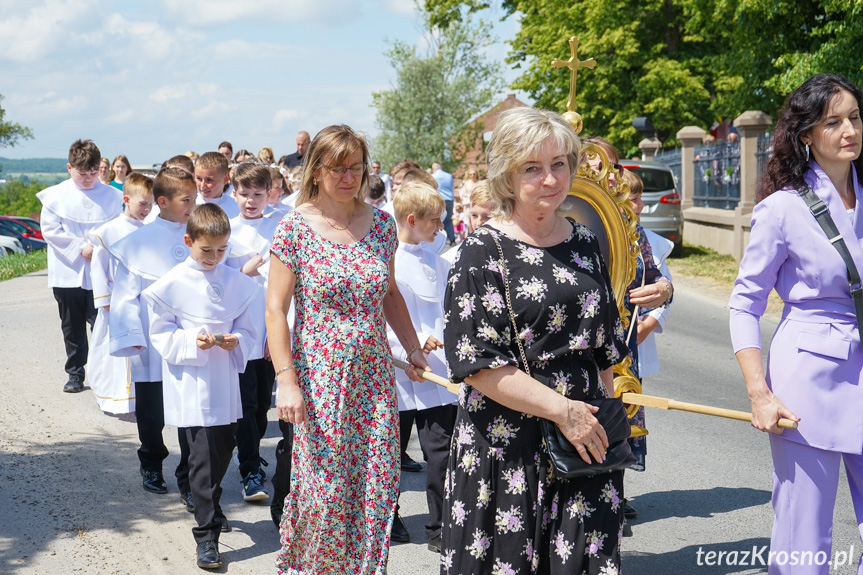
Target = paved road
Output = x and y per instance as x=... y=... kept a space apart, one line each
x=71 y=501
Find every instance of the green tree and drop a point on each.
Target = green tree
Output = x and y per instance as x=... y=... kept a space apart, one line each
x=677 y=61
x=18 y=198
x=10 y=133
x=425 y=115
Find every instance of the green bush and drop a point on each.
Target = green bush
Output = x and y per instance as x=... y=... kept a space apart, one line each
x=15 y=265
x=18 y=198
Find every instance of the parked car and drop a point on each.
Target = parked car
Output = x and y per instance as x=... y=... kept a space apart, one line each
x=661 y=212
x=34 y=230
x=20 y=232
x=9 y=246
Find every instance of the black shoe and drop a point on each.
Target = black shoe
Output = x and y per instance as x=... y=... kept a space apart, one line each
x=628 y=510
x=435 y=544
x=399 y=533
x=154 y=482
x=220 y=517
x=74 y=385
x=410 y=465
x=186 y=498
x=208 y=555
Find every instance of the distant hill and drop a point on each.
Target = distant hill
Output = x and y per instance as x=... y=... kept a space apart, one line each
x=34 y=165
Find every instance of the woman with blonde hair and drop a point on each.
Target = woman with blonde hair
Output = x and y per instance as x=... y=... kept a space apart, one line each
x=334 y=257
x=265 y=156
x=506 y=509
x=105 y=173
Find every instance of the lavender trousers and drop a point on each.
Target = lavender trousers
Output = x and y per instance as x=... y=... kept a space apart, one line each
x=805 y=481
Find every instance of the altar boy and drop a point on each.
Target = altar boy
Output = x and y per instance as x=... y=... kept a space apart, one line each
x=421 y=277
x=144 y=256
x=202 y=325
x=70 y=210
x=111 y=377
x=212 y=178
x=252 y=183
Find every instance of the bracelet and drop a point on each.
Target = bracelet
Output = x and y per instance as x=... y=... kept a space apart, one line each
x=413 y=349
x=667 y=282
x=284 y=369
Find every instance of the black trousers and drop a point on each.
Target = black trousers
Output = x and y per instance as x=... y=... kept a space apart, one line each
x=447 y=222
x=406 y=425
x=76 y=311
x=435 y=427
x=150 y=417
x=256 y=393
x=282 y=475
x=210 y=450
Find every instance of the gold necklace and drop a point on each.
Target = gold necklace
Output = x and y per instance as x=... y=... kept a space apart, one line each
x=333 y=225
x=554 y=227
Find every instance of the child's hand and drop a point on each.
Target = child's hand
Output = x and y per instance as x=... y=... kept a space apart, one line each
x=87 y=252
x=229 y=342
x=205 y=341
x=250 y=268
x=432 y=343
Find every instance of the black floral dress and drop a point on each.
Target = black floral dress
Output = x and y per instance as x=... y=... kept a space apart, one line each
x=505 y=511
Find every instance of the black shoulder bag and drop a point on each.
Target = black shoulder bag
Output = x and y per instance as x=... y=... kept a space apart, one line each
x=822 y=216
x=611 y=416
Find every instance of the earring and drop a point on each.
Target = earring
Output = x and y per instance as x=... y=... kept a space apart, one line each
x=807 y=151
x=315 y=180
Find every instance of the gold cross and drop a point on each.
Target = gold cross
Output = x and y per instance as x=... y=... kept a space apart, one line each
x=573 y=64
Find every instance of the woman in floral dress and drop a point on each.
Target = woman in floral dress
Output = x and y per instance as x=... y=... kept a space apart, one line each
x=334 y=256
x=506 y=511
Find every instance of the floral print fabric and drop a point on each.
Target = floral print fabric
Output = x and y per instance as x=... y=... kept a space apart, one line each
x=505 y=511
x=345 y=473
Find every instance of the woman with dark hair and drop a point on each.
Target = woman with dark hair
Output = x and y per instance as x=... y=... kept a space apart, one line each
x=334 y=256
x=815 y=368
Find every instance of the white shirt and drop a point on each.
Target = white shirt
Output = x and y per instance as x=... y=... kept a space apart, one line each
x=68 y=214
x=225 y=201
x=201 y=387
x=648 y=358
x=103 y=265
x=421 y=278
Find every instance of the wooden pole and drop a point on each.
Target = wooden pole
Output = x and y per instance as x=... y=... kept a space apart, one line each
x=630 y=398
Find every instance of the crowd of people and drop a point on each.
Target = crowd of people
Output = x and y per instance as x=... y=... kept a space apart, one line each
x=227 y=274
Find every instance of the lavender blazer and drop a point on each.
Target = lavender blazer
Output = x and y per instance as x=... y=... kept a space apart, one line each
x=815 y=359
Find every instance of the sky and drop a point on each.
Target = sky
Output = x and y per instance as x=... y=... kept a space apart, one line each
x=151 y=79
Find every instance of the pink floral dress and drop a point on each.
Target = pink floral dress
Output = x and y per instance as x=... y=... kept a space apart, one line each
x=345 y=478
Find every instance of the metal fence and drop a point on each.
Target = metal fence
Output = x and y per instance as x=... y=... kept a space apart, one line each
x=717 y=176
x=672 y=159
x=765 y=150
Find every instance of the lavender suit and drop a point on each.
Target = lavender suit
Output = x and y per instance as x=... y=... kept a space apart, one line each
x=815 y=360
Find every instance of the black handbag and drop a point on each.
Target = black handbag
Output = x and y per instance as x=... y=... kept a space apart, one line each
x=611 y=416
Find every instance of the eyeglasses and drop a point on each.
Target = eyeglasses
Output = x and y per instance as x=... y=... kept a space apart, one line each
x=338 y=172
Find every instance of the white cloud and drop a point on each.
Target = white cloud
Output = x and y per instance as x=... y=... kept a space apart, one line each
x=283 y=117
x=33 y=30
x=326 y=13
x=404 y=7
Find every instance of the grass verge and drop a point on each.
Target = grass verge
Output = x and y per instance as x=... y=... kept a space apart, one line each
x=701 y=262
x=15 y=265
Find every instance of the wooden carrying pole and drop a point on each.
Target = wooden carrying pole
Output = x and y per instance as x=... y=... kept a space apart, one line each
x=665 y=403
x=630 y=398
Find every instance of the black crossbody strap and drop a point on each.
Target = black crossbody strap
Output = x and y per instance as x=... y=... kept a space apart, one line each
x=822 y=216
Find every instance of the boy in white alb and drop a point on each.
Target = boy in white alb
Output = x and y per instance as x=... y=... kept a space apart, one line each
x=212 y=178
x=70 y=210
x=421 y=278
x=144 y=256
x=202 y=325
x=252 y=229
x=111 y=377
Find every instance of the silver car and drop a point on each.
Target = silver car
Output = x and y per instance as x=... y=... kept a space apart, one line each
x=661 y=212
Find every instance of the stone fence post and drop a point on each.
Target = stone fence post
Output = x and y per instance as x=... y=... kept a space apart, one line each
x=751 y=124
x=649 y=147
x=689 y=137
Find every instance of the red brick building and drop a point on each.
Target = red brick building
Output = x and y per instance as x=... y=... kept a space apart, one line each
x=484 y=125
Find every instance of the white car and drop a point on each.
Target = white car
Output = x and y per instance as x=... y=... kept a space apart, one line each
x=10 y=246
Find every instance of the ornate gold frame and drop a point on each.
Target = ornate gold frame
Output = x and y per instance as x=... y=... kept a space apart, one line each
x=609 y=214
